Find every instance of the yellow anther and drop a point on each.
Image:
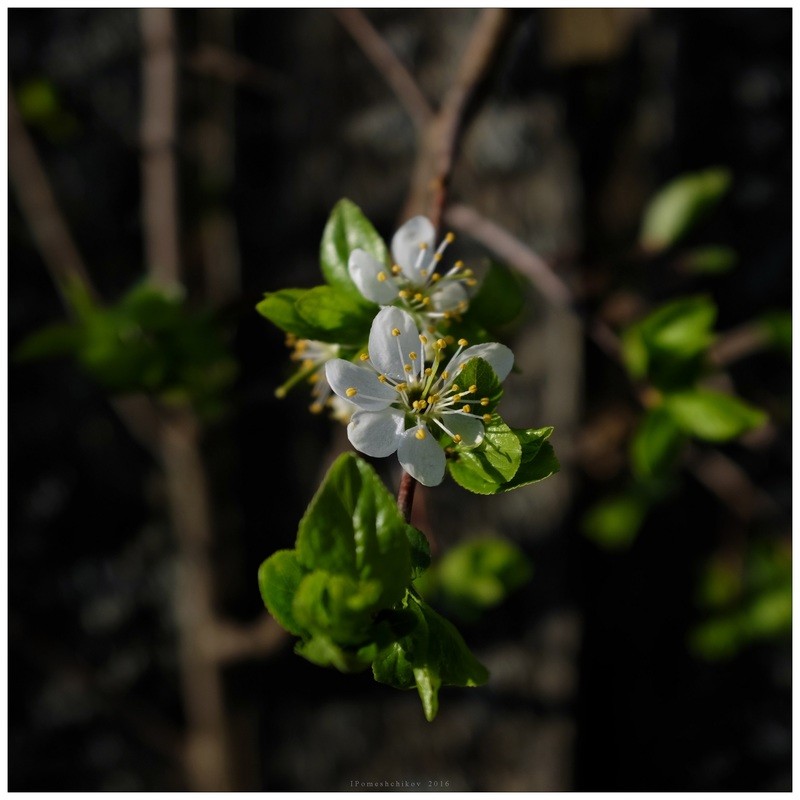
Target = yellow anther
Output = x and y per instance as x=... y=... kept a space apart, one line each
x=457 y=438
x=396 y=270
x=407 y=367
x=441 y=344
x=462 y=342
x=423 y=245
x=472 y=282
x=423 y=273
x=437 y=257
x=280 y=392
x=458 y=265
x=420 y=434
x=456 y=398
x=487 y=417
x=316 y=408
x=401 y=387
x=351 y=391
x=423 y=338
x=484 y=401
x=313 y=378
x=404 y=294
x=434 y=398
x=415 y=405
x=364 y=356
x=428 y=370
x=473 y=388
x=450 y=237
x=445 y=375
x=381 y=276
x=426 y=301
x=418 y=297
x=395 y=331
x=307 y=363
x=446 y=314
x=454 y=387
x=412 y=355
x=449 y=339
x=431 y=329
x=435 y=277
x=382 y=378
x=465 y=408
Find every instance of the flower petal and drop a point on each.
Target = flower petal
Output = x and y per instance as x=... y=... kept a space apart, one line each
x=369 y=393
x=390 y=353
x=406 y=246
x=364 y=270
x=498 y=356
x=423 y=459
x=376 y=433
x=449 y=296
x=469 y=429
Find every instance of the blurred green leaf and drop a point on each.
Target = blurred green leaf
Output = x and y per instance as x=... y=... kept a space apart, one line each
x=61 y=339
x=432 y=655
x=480 y=574
x=614 y=522
x=777 y=325
x=280 y=308
x=348 y=229
x=680 y=205
x=711 y=415
x=500 y=298
x=709 y=260
x=656 y=444
x=420 y=551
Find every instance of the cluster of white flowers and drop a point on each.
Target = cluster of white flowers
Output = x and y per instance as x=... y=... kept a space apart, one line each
x=402 y=394
x=401 y=401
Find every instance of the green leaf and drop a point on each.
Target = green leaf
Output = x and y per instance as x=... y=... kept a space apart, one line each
x=656 y=444
x=500 y=298
x=420 y=551
x=777 y=326
x=543 y=465
x=711 y=415
x=336 y=316
x=680 y=205
x=484 y=469
x=278 y=579
x=324 y=652
x=280 y=308
x=348 y=229
x=352 y=527
x=480 y=573
x=614 y=522
x=433 y=654
x=709 y=260
x=477 y=372
x=61 y=339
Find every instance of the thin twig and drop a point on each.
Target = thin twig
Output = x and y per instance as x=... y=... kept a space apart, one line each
x=387 y=63
x=220 y=63
x=208 y=766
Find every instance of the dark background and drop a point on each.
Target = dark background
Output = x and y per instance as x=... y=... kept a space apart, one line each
x=596 y=689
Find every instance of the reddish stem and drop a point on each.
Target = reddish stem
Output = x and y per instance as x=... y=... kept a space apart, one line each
x=405 y=495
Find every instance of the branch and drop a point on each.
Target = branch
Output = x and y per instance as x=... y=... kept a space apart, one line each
x=405 y=495
x=218 y=62
x=387 y=63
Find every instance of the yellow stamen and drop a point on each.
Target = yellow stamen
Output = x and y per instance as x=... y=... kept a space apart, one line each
x=423 y=339
x=418 y=297
x=364 y=356
x=457 y=438
x=454 y=387
x=472 y=282
x=404 y=294
x=351 y=391
x=396 y=269
x=428 y=370
x=466 y=409
x=473 y=388
x=463 y=342
x=484 y=401
x=456 y=398
x=395 y=331
x=422 y=403
x=437 y=258
x=458 y=265
x=487 y=417
x=423 y=273
x=381 y=276
x=401 y=387
x=445 y=375
x=423 y=245
x=407 y=367
x=441 y=344
x=316 y=408
x=435 y=277
x=382 y=378
x=412 y=355
x=420 y=434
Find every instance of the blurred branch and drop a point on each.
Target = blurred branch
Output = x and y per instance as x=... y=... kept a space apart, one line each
x=739 y=343
x=387 y=63
x=218 y=62
x=158 y=126
x=228 y=642
x=437 y=155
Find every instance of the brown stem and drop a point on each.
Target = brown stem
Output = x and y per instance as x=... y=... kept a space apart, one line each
x=405 y=495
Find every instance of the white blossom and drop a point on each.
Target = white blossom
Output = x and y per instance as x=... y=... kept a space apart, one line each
x=413 y=281
x=402 y=404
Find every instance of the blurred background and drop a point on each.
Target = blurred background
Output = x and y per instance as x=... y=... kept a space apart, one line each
x=150 y=474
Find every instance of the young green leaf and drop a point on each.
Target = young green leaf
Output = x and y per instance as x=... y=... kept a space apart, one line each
x=335 y=315
x=543 y=464
x=352 y=527
x=420 y=551
x=348 y=229
x=614 y=523
x=432 y=655
x=709 y=260
x=60 y=339
x=711 y=415
x=680 y=205
x=280 y=308
x=278 y=579
x=486 y=468
x=477 y=372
